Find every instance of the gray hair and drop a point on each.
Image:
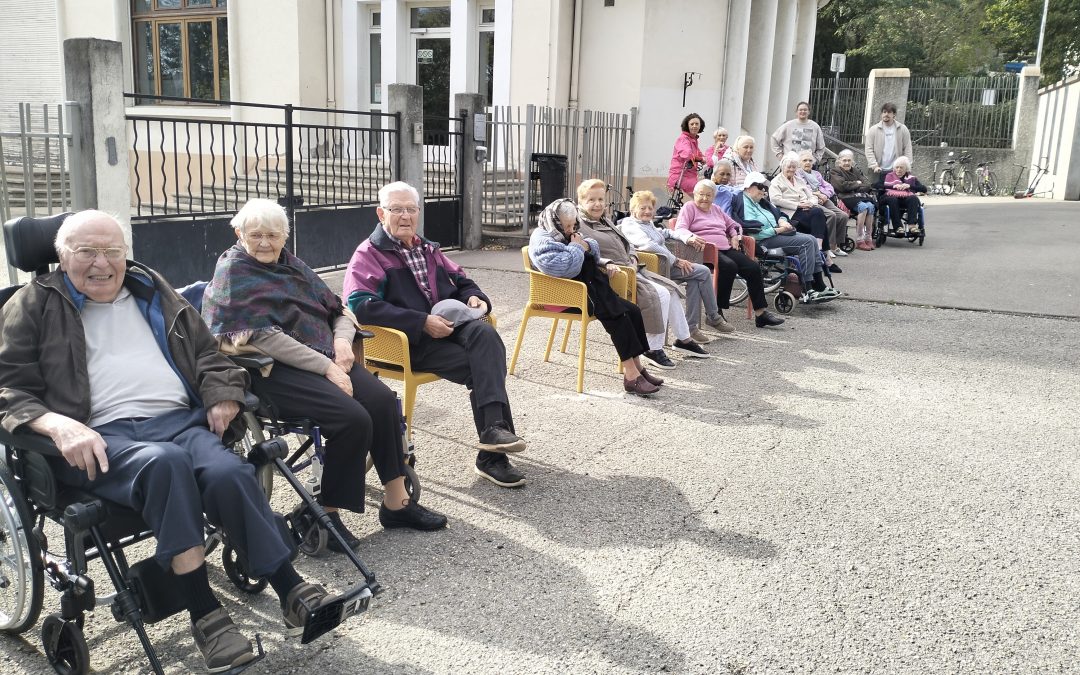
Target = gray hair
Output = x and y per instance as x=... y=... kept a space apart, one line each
x=566 y=208
x=742 y=140
x=264 y=212
x=725 y=162
x=789 y=158
x=846 y=153
x=77 y=220
x=902 y=160
x=394 y=188
x=719 y=130
x=803 y=154
x=705 y=183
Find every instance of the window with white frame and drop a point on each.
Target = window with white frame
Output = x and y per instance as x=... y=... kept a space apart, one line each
x=486 y=61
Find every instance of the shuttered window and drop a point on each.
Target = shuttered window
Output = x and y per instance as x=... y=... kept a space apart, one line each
x=181 y=48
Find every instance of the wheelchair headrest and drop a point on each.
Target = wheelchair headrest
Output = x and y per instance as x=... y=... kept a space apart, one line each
x=29 y=241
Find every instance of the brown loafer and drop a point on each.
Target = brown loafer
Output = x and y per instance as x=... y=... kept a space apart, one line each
x=652 y=379
x=640 y=386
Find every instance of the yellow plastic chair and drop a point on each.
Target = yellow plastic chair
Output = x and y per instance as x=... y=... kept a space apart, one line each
x=651 y=261
x=386 y=354
x=548 y=294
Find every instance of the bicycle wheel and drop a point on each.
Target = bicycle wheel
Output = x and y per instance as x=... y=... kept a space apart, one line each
x=945 y=180
x=989 y=184
x=967 y=183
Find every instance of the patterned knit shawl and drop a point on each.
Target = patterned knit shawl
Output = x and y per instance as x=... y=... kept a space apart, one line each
x=247 y=296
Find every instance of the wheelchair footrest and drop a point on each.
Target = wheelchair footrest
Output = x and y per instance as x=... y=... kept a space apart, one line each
x=326 y=618
x=156 y=590
x=259 y=654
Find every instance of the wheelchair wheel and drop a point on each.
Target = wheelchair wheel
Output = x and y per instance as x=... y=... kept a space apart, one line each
x=412 y=483
x=880 y=236
x=784 y=302
x=22 y=583
x=65 y=646
x=848 y=246
x=239 y=577
x=738 y=291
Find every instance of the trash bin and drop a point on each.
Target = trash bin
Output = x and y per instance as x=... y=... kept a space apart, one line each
x=548 y=173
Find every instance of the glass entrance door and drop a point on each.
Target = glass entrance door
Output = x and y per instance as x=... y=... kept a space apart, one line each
x=433 y=74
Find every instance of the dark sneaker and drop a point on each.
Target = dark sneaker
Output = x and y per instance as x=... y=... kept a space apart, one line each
x=499 y=438
x=640 y=386
x=835 y=269
x=412 y=516
x=659 y=359
x=720 y=324
x=303 y=602
x=350 y=539
x=499 y=470
x=767 y=318
x=220 y=641
x=691 y=349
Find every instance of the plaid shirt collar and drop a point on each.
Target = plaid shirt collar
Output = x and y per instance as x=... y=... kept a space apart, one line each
x=417 y=262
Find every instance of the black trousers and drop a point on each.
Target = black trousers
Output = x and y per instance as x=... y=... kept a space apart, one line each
x=732 y=262
x=367 y=421
x=812 y=222
x=622 y=321
x=473 y=355
x=897 y=205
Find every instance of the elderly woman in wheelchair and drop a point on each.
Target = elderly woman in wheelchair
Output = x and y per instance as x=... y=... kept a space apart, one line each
x=313 y=376
x=102 y=357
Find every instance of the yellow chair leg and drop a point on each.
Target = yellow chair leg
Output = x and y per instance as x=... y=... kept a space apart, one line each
x=566 y=335
x=520 y=337
x=551 y=339
x=581 y=356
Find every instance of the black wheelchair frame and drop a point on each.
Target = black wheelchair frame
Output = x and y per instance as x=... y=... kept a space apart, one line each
x=883 y=231
x=97 y=530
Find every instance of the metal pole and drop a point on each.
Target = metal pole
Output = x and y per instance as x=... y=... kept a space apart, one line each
x=289 y=170
x=1042 y=33
x=526 y=160
x=835 y=94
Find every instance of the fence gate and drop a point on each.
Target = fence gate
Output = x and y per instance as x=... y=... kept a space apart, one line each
x=189 y=176
x=36 y=164
x=443 y=180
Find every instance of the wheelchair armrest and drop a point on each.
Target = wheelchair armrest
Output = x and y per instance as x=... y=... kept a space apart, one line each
x=363 y=334
x=252 y=361
x=29 y=440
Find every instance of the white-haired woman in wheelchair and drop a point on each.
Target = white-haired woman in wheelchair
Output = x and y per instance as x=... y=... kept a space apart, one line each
x=901 y=190
x=855 y=190
x=264 y=298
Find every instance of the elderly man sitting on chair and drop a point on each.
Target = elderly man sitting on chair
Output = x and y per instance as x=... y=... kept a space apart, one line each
x=104 y=358
x=394 y=279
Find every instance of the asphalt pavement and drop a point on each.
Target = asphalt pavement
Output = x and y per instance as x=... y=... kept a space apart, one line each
x=879 y=485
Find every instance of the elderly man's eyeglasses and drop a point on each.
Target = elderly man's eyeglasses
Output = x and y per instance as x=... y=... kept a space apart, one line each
x=760 y=186
x=402 y=210
x=89 y=253
x=270 y=237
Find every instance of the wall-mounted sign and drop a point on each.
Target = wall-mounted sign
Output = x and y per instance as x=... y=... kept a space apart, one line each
x=425 y=55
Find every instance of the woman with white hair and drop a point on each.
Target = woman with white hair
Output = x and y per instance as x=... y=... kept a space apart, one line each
x=835 y=217
x=793 y=197
x=741 y=154
x=262 y=297
x=719 y=147
x=900 y=190
x=853 y=188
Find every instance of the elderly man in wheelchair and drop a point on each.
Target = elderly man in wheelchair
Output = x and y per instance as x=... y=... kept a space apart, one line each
x=105 y=359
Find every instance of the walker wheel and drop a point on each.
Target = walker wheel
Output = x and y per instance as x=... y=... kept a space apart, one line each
x=412 y=483
x=784 y=302
x=239 y=577
x=65 y=646
x=848 y=246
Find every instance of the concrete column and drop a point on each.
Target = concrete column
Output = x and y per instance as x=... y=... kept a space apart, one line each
x=1027 y=113
x=886 y=85
x=94 y=79
x=735 y=52
x=395 y=42
x=759 y=57
x=408 y=100
x=464 y=47
x=471 y=107
x=805 y=29
x=780 y=78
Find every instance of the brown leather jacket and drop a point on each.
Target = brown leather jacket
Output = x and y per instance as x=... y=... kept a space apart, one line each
x=43 y=349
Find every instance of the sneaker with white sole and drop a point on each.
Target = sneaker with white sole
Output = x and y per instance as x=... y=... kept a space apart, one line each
x=700 y=337
x=659 y=359
x=691 y=349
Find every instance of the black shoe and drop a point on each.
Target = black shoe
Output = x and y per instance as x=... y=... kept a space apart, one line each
x=835 y=269
x=499 y=470
x=692 y=349
x=659 y=359
x=412 y=516
x=499 y=438
x=767 y=318
x=350 y=539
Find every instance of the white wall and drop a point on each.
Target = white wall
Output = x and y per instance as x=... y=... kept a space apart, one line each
x=1057 y=138
x=30 y=57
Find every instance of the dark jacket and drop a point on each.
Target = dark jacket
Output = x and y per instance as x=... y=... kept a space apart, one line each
x=850 y=183
x=43 y=351
x=381 y=290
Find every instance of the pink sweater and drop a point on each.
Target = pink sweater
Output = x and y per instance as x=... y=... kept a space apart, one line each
x=714 y=226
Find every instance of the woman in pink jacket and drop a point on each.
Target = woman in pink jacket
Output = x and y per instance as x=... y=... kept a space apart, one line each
x=708 y=221
x=686 y=152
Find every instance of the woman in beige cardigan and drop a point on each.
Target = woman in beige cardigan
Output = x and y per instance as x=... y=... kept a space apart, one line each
x=790 y=193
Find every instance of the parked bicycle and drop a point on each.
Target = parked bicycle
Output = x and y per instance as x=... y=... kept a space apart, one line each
x=956 y=174
x=985 y=181
x=1033 y=185
x=938 y=187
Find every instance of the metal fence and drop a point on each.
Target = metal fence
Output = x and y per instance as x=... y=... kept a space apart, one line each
x=595 y=144
x=310 y=157
x=970 y=112
x=442 y=179
x=850 y=95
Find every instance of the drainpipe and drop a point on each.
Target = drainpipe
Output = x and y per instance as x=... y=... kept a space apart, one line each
x=331 y=60
x=723 y=71
x=575 y=57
